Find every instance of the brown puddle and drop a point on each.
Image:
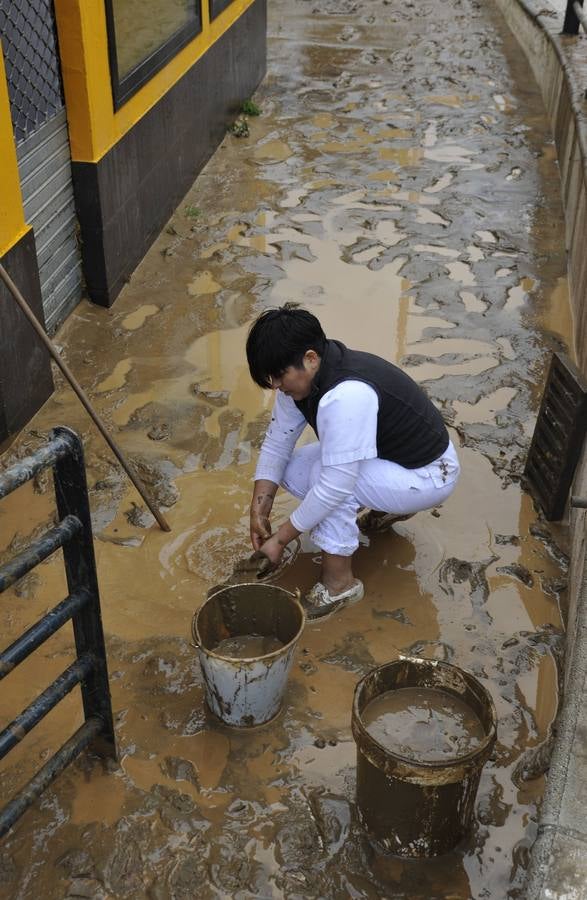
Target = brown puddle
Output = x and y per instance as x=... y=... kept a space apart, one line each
x=246 y=646
x=198 y=810
x=423 y=724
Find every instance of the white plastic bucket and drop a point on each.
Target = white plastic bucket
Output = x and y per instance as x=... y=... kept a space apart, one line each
x=247 y=692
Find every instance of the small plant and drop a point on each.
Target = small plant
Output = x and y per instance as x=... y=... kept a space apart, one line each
x=193 y=212
x=250 y=108
x=240 y=128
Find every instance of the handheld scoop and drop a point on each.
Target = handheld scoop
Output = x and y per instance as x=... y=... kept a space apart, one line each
x=256 y=566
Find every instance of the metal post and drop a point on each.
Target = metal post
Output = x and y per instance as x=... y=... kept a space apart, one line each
x=80 y=566
x=571 y=23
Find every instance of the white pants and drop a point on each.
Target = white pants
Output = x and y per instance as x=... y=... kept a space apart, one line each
x=381 y=485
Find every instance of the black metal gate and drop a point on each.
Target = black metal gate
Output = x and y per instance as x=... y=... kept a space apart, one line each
x=64 y=454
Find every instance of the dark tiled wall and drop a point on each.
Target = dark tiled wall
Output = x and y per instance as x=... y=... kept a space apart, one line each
x=124 y=200
x=25 y=370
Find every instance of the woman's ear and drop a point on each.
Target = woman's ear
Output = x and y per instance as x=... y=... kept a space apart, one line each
x=312 y=360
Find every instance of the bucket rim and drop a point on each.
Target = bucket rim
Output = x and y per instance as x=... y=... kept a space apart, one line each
x=274 y=653
x=472 y=758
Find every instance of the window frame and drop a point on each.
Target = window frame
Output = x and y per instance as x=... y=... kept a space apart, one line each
x=123 y=89
x=217 y=6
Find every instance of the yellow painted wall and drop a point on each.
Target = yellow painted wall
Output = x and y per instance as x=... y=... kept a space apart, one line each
x=94 y=127
x=12 y=223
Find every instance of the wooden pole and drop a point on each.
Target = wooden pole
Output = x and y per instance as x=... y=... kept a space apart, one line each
x=52 y=350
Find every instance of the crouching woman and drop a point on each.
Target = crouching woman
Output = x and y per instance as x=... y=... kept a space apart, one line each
x=382 y=445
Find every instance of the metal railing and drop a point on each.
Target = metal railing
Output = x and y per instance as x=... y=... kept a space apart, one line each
x=574 y=16
x=64 y=454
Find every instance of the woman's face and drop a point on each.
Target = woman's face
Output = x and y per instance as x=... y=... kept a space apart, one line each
x=297 y=383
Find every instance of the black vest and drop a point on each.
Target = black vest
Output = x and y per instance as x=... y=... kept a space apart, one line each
x=410 y=430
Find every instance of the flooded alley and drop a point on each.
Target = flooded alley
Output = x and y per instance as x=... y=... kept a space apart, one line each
x=401 y=183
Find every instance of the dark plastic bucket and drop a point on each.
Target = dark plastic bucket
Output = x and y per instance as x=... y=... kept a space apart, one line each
x=413 y=808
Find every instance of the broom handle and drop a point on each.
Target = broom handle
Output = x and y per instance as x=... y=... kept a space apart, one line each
x=51 y=349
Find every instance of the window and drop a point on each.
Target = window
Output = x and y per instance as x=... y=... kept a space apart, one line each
x=216 y=7
x=143 y=35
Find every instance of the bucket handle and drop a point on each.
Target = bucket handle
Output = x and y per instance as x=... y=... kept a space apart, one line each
x=194 y=641
x=418 y=660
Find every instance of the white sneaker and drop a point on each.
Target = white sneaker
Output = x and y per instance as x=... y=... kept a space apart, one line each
x=319 y=602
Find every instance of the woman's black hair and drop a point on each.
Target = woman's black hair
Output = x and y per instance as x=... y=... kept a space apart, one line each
x=279 y=338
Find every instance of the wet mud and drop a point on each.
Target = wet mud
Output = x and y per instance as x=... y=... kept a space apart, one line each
x=401 y=183
x=247 y=646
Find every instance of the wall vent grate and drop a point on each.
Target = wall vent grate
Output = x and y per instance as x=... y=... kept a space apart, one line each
x=558 y=437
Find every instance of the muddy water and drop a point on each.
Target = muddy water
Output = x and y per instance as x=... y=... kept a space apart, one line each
x=247 y=646
x=401 y=183
x=423 y=724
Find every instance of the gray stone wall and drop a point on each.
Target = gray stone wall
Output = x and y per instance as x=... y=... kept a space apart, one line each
x=559 y=64
x=559 y=859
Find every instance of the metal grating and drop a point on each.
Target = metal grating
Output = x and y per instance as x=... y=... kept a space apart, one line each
x=32 y=66
x=558 y=437
x=45 y=176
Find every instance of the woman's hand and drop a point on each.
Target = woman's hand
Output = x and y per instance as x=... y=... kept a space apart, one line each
x=273 y=549
x=261 y=505
x=260 y=529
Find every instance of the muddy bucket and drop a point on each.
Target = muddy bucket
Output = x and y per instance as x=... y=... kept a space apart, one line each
x=411 y=807
x=247 y=691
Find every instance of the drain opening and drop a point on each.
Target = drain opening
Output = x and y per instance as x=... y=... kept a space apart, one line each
x=558 y=437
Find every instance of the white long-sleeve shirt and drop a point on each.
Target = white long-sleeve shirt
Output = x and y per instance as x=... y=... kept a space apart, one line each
x=347 y=428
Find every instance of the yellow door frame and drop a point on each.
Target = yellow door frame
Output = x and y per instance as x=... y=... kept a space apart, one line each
x=94 y=126
x=12 y=221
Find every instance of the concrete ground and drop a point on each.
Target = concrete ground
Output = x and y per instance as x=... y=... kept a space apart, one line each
x=401 y=182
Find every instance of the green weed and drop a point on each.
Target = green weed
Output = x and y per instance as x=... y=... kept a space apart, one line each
x=250 y=108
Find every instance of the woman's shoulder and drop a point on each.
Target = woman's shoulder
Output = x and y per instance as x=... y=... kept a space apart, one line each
x=351 y=390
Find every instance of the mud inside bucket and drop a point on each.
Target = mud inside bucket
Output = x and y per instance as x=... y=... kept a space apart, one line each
x=418 y=800
x=245 y=690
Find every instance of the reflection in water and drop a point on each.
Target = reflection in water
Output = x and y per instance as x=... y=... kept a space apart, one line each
x=485 y=408
x=517 y=296
x=273 y=151
x=471 y=302
x=461 y=271
x=117 y=378
x=557 y=313
x=138 y=318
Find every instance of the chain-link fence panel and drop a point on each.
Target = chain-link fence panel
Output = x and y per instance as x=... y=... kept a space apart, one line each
x=27 y=30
